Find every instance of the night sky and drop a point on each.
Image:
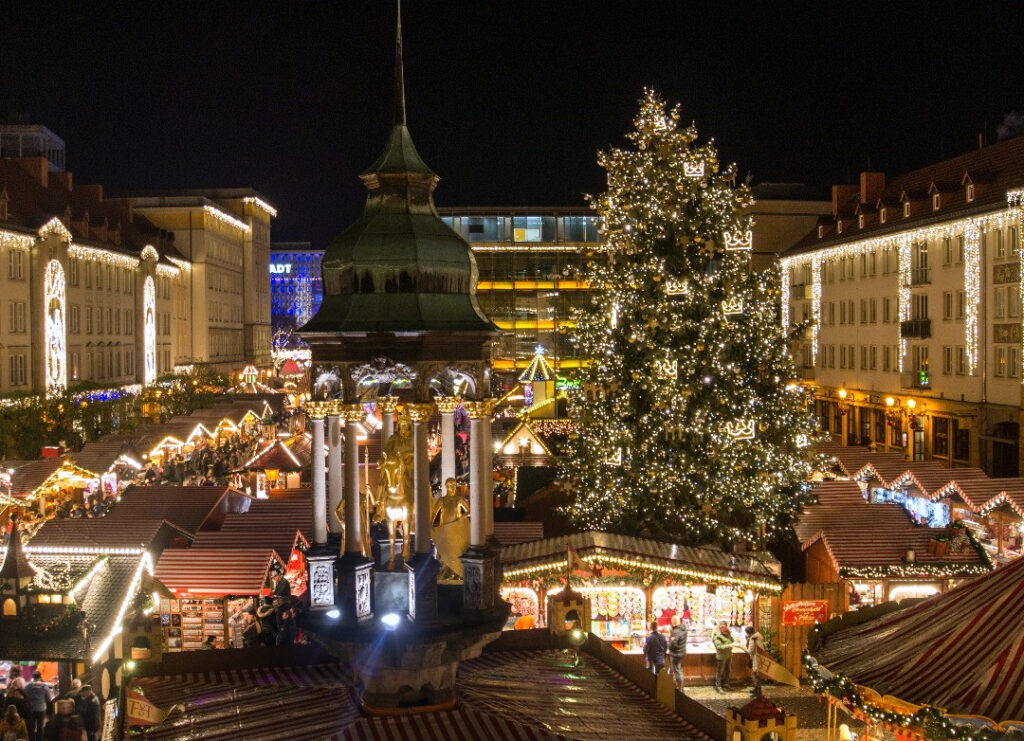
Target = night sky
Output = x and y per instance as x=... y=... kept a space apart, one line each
x=508 y=101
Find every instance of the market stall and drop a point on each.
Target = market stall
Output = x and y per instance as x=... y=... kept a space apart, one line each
x=947 y=667
x=632 y=581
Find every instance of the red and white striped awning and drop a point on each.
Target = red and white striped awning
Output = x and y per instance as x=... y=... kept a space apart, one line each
x=447 y=725
x=962 y=650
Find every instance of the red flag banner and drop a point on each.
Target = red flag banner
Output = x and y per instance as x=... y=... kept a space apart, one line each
x=141 y=712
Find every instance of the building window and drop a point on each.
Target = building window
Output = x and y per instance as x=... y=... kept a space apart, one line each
x=886 y=309
x=906 y=209
x=863 y=264
x=947 y=360
x=947 y=251
x=936 y=201
x=1012 y=361
x=970 y=192
x=874 y=310
x=998 y=245
x=961 y=304
x=863 y=357
x=842 y=312
x=863 y=311
x=860 y=221
x=921 y=360
x=947 y=305
x=1000 y=361
x=1000 y=296
x=874 y=357
x=15 y=264
x=920 y=306
x=882 y=215
x=74 y=319
x=961 y=360
x=940 y=437
x=842 y=356
x=886 y=358
x=73 y=271
x=921 y=272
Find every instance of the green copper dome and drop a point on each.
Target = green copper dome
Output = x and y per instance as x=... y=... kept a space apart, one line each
x=399 y=267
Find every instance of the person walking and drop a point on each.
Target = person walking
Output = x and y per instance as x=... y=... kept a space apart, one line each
x=677 y=650
x=655 y=648
x=754 y=643
x=722 y=640
x=37 y=695
x=87 y=706
x=12 y=727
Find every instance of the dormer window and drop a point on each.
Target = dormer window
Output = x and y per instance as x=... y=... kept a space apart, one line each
x=906 y=209
x=839 y=226
x=860 y=221
x=881 y=216
x=936 y=201
x=3 y=209
x=970 y=192
x=821 y=231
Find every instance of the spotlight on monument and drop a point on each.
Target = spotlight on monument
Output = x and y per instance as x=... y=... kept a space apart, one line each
x=391 y=620
x=333 y=614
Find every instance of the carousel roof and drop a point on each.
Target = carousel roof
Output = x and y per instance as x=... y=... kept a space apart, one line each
x=219 y=571
x=960 y=651
x=539 y=369
x=504 y=695
x=629 y=551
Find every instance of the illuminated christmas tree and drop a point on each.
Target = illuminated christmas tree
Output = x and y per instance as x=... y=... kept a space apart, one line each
x=689 y=422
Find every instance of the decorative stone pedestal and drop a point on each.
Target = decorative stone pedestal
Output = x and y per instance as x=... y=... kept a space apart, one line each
x=383 y=553
x=322 y=581
x=355 y=588
x=423 y=569
x=480 y=575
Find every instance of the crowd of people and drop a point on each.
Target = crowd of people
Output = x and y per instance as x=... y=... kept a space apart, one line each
x=33 y=712
x=660 y=651
x=209 y=464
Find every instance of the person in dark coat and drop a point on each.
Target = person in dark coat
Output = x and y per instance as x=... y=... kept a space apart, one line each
x=286 y=628
x=87 y=706
x=266 y=614
x=655 y=648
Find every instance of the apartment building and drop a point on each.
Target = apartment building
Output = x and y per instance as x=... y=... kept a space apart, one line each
x=906 y=302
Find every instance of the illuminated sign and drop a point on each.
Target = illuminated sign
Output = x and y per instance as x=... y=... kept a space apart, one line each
x=280 y=269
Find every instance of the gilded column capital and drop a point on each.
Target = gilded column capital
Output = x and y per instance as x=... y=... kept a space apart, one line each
x=479 y=408
x=318 y=409
x=447 y=404
x=334 y=408
x=419 y=412
x=352 y=412
x=387 y=404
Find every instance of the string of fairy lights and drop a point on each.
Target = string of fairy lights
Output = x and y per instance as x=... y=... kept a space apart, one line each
x=971 y=229
x=687 y=420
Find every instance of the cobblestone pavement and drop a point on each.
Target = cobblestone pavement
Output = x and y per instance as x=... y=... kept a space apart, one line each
x=811 y=713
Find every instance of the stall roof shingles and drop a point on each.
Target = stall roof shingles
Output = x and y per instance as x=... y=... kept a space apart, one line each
x=31 y=475
x=99 y=456
x=272 y=523
x=669 y=553
x=831 y=493
x=186 y=507
x=220 y=571
x=101 y=533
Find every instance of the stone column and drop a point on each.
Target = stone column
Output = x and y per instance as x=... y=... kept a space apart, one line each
x=334 y=479
x=387 y=406
x=420 y=415
x=355 y=570
x=447 y=405
x=353 y=414
x=423 y=567
x=480 y=565
x=316 y=411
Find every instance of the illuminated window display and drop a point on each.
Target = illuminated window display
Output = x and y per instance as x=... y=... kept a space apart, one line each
x=149 y=329
x=56 y=361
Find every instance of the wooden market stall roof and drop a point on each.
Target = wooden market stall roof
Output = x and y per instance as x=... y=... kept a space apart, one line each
x=852 y=458
x=189 y=508
x=30 y=475
x=216 y=571
x=103 y=534
x=861 y=540
x=890 y=473
x=931 y=480
x=625 y=551
x=99 y=456
x=1012 y=497
x=273 y=523
x=284 y=455
x=511 y=533
x=978 y=493
x=960 y=651
x=840 y=491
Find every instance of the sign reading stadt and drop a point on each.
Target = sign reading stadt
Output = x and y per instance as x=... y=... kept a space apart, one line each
x=804 y=612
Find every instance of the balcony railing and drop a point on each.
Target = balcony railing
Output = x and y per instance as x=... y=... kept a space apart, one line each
x=920 y=329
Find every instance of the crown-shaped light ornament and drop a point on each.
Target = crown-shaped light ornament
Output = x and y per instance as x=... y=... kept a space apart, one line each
x=802 y=441
x=676 y=287
x=666 y=369
x=693 y=169
x=739 y=241
x=741 y=429
x=733 y=305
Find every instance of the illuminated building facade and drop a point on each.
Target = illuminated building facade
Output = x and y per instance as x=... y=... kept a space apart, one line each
x=296 y=284
x=909 y=295
x=525 y=258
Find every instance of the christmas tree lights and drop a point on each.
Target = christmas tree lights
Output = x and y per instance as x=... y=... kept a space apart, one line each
x=687 y=418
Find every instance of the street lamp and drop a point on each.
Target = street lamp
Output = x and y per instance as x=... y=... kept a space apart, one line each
x=843 y=408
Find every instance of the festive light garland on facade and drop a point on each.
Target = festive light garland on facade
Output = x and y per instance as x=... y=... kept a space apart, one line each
x=226 y=218
x=54 y=227
x=260 y=204
x=167 y=271
x=105 y=257
x=145 y=565
x=970 y=228
x=14 y=239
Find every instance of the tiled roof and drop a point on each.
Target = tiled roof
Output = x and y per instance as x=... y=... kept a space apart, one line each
x=101 y=533
x=186 y=507
x=874 y=536
x=99 y=456
x=624 y=546
x=832 y=493
x=216 y=571
x=999 y=168
x=281 y=456
x=31 y=475
x=510 y=533
x=271 y=523
x=852 y=459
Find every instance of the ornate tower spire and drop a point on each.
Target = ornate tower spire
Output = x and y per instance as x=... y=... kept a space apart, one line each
x=399 y=72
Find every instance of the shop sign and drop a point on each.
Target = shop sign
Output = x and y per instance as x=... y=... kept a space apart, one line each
x=804 y=612
x=280 y=268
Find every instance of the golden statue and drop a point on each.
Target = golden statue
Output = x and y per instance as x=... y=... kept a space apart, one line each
x=451 y=535
x=395 y=494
